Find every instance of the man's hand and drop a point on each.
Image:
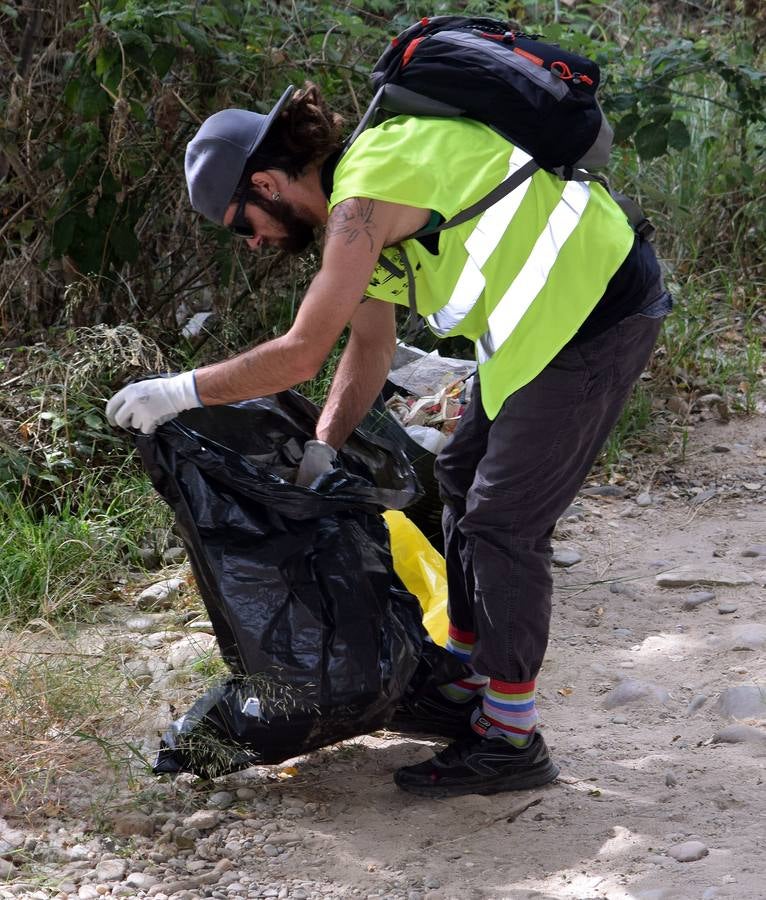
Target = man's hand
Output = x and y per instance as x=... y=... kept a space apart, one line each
x=147 y=404
x=318 y=458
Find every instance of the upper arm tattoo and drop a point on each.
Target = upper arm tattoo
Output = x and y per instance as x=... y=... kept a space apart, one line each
x=353 y=218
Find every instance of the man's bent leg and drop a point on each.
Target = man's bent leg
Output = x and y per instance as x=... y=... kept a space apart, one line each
x=539 y=451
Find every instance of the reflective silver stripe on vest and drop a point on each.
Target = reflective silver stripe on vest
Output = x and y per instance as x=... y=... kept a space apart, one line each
x=481 y=244
x=534 y=273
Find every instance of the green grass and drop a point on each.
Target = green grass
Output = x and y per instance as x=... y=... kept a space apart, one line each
x=56 y=563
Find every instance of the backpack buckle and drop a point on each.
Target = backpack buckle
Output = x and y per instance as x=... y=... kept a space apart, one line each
x=645 y=230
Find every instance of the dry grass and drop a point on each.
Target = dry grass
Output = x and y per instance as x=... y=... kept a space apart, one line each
x=70 y=716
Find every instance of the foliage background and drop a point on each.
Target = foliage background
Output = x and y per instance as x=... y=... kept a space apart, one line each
x=102 y=261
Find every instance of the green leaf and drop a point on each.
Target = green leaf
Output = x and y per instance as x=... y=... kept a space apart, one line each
x=72 y=93
x=651 y=141
x=92 y=420
x=124 y=242
x=162 y=59
x=194 y=36
x=624 y=101
x=626 y=127
x=678 y=135
x=63 y=232
x=661 y=115
x=138 y=46
x=109 y=184
x=105 y=59
x=137 y=111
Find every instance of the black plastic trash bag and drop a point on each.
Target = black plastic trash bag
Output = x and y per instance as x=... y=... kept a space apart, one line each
x=321 y=636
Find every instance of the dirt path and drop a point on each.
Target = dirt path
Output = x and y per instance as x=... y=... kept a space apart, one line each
x=654 y=705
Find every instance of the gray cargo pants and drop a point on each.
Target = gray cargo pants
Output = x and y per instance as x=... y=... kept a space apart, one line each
x=505 y=482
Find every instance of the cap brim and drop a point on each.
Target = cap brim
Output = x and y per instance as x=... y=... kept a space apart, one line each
x=280 y=105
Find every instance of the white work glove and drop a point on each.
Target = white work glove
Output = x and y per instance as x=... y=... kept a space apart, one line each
x=147 y=404
x=318 y=458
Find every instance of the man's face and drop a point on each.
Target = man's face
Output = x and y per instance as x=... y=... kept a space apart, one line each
x=269 y=223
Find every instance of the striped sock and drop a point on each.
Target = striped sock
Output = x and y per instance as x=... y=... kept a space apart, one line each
x=510 y=707
x=461 y=644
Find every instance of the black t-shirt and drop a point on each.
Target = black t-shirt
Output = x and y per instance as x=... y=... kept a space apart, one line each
x=628 y=290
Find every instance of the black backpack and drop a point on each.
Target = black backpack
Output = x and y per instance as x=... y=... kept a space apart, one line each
x=538 y=96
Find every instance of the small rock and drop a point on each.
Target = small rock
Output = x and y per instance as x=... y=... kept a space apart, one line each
x=604 y=490
x=685 y=576
x=565 y=557
x=148 y=558
x=689 y=851
x=220 y=800
x=696 y=599
x=703 y=497
x=173 y=556
x=204 y=819
x=432 y=883
x=111 y=869
x=141 y=881
x=87 y=892
x=186 y=838
x=739 y=734
x=695 y=703
x=644 y=499
x=745 y=701
x=130 y=823
x=146 y=624
x=619 y=720
x=631 y=690
x=270 y=850
x=670 y=779
x=161 y=595
x=246 y=793
x=7 y=869
x=726 y=609
x=721 y=448
x=754 y=551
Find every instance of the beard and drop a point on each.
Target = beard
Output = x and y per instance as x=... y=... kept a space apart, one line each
x=298 y=227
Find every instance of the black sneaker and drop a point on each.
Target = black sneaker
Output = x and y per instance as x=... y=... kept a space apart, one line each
x=431 y=713
x=479 y=765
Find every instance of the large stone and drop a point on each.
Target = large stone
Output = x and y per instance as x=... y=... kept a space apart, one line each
x=739 y=734
x=633 y=691
x=187 y=650
x=689 y=851
x=162 y=595
x=685 y=576
x=745 y=701
x=747 y=636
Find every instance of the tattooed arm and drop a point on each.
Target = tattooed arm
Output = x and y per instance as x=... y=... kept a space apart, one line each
x=356 y=232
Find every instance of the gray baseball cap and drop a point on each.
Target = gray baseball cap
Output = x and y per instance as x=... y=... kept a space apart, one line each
x=217 y=154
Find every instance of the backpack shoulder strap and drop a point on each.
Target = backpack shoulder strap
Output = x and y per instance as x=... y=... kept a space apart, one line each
x=497 y=193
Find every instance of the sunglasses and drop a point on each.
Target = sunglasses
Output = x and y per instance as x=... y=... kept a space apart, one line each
x=239 y=224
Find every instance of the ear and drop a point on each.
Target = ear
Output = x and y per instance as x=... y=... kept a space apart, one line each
x=264 y=183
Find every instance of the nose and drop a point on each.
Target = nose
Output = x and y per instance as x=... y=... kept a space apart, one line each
x=254 y=243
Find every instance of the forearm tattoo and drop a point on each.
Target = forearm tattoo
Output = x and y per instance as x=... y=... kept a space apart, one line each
x=352 y=218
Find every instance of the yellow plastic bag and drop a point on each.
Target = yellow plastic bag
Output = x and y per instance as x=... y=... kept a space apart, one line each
x=423 y=571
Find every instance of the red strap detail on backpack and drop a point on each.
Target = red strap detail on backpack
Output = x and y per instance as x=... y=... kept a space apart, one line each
x=424 y=21
x=410 y=50
x=530 y=56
